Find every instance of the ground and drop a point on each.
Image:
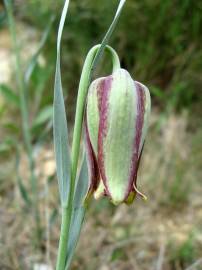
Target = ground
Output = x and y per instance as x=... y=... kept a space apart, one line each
x=160 y=233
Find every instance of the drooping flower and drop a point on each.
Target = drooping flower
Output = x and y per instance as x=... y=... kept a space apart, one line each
x=116 y=122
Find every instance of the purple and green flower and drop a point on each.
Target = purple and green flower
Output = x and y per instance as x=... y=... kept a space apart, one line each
x=116 y=122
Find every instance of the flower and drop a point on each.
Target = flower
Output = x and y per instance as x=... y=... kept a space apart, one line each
x=116 y=122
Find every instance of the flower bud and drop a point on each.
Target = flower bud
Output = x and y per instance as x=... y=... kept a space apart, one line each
x=116 y=122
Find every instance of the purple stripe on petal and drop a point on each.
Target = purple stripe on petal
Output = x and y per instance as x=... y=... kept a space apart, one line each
x=140 y=112
x=93 y=170
x=138 y=127
x=103 y=126
x=100 y=92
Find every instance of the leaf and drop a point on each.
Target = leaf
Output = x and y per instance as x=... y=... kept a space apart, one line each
x=4 y=147
x=156 y=91
x=8 y=145
x=60 y=130
x=33 y=61
x=108 y=35
x=44 y=115
x=23 y=191
x=9 y=95
x=12 y=127
x=78 y=212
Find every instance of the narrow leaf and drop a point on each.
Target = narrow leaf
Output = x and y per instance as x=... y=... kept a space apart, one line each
x=43 y=116
x=23 y=191
x=61 y=142
x=108 y=35
x=33 y=61
x=9 y=95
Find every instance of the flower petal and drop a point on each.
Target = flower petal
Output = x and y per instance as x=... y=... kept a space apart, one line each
x=93 y=171
x=117 y=116
x=147 y=109
x=117 y=158
x=93 y=110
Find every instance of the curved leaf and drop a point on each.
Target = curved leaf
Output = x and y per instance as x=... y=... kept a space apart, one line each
x=33 y=61
x=61 y=142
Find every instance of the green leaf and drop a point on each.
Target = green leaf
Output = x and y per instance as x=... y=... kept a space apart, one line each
x=4 y=147
x=44 y=115
x=107 y=35
x=23 y=191
x=9 y=95
x=33 y=61
x=60 y=131
x=12 y=127
x=156 y=91
x=78 y=212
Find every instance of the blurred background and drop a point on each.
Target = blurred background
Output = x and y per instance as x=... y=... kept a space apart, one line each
x=159 y=42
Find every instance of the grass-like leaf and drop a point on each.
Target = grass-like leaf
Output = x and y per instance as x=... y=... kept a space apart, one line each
x=33 y=61
x=60 y=130
x=43 y=116
x=23 y=191
x=9 y=95
x=107 y=35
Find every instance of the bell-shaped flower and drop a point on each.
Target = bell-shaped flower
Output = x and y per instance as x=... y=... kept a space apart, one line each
x=116 y=122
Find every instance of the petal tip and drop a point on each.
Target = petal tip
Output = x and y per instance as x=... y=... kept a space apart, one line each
x=144 y=197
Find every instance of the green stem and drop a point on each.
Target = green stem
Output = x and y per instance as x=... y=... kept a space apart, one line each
x=62 y=250
x=24 y=111
x=80 y=106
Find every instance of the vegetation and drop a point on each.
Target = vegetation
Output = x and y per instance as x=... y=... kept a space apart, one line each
x=160 y=43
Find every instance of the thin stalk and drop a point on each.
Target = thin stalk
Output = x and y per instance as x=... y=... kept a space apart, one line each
x=81 y=101
x=24 y=111
x=62 y=250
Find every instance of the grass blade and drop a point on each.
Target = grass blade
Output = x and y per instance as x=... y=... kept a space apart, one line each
x=9 y=95
x=108 y=35
x=43 y=116
x=33 y=61
x=23 y=191
x=60 y=130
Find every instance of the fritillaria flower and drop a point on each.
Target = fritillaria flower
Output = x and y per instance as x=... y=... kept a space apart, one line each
x=116 y=122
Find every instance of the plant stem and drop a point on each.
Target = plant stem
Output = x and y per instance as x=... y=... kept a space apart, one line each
x=66 y=218
x=81 y=101
x=24 y=112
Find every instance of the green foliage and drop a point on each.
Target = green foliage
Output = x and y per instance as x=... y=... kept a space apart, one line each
x=21 y=101
x=184 y=254
x=118 y=254
x=177 y=186
x=158 y=41
x=9 y=95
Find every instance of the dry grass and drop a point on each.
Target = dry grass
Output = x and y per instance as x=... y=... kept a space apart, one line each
x=160 y=234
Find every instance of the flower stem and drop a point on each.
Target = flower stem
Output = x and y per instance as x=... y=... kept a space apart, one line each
x=62 y=250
